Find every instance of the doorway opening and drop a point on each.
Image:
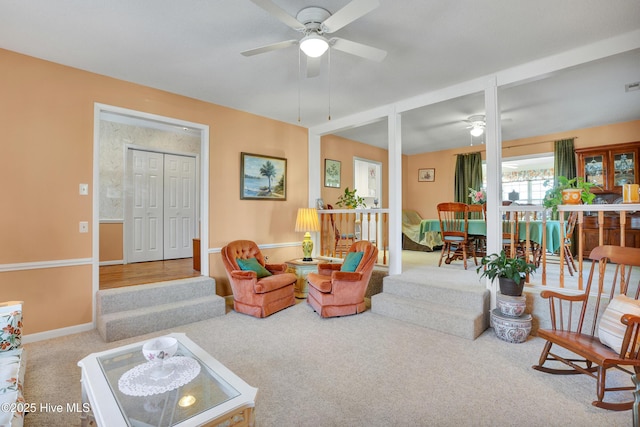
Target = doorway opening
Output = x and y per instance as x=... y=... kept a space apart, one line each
x=174 y=208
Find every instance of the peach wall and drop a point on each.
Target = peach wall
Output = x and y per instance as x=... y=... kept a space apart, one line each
x=111 y=245
x=47 y=113
x=424 y=196
x=53 y=298
x=337 y=148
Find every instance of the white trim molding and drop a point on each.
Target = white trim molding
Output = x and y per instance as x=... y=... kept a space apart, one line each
x=45 y=264
x=264 y=246
x=57 y=333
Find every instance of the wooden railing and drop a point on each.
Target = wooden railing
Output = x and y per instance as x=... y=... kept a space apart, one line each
x=629 y=229
x=341 y=227
x=628 y=233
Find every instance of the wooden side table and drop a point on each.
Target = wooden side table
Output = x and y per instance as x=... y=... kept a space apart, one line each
x=301 y=269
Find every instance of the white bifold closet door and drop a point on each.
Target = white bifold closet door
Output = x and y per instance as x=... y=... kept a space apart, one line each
x=161 y=211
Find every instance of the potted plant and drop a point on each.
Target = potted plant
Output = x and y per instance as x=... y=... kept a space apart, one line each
x=560 y=193
x=509 y=271
x=350 y=200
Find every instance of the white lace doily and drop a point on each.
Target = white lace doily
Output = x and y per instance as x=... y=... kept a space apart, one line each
x=139 y=381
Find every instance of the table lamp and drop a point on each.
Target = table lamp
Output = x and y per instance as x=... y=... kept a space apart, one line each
x=307 y=221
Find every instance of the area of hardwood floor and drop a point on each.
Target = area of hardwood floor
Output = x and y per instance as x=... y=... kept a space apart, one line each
x=116 y=276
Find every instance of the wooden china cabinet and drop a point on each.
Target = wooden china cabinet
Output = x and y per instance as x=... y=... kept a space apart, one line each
x=609 y=167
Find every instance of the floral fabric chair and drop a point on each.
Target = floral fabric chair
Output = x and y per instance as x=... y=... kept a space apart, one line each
x=12 y=364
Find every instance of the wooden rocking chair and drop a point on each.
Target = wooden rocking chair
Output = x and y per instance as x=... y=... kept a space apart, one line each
x=579 y=324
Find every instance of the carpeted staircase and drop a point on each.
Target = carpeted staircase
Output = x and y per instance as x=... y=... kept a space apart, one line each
x=137 y=310
x=446 y=300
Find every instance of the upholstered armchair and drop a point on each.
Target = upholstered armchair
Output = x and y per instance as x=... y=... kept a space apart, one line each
x=259 y=289
x=339 y=289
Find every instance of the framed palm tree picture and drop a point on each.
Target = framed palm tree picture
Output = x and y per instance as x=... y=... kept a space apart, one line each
x=262 y=177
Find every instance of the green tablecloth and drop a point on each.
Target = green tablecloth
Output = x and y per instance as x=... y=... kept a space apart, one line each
x=478 y=226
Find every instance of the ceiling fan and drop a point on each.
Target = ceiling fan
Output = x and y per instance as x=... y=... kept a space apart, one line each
x=314 y=23
x=476 y=124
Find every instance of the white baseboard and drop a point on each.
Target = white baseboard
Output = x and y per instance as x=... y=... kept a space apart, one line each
x=114 y=262
x=56 y=333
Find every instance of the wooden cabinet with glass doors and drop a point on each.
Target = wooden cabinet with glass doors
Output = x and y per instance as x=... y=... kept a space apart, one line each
x=609 y=166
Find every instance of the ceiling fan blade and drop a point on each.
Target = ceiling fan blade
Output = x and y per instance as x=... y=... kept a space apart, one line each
x=348 y=14
x=269 y=47
x=283 y=16
x=358 y=49
x=313 y=66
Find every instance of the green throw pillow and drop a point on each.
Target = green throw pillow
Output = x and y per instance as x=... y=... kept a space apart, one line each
x=253 y=265
x=351 y=261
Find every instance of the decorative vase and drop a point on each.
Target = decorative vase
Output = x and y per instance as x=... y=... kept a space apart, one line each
x=511 y=329
x=572 y=196
x=510 y=287
x=511 y=306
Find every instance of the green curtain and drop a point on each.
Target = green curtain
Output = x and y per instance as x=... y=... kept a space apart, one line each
x=468 y=175
x=564 y=159
x=564 y=164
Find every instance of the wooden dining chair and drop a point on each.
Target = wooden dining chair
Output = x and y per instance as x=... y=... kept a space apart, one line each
x=570 y=226
x=342 y=240
x=454 y=228
x=479 y=240
x=510 y=233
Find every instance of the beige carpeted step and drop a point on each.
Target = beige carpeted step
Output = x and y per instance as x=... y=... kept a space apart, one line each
x=450 y=301
x=135 y=310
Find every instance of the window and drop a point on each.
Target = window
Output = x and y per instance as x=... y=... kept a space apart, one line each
x=523 y=178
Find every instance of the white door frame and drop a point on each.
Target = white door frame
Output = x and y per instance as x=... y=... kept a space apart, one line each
x=203 y=168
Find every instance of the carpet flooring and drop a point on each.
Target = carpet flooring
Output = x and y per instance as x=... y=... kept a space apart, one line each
x=362 y=370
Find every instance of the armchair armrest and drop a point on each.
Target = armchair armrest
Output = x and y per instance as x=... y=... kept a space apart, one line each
x=327 y=269
x=631 y=340
x=346 y=276
x=244 y=274
x=276 y=268
x=564 y=309
x=546 y=294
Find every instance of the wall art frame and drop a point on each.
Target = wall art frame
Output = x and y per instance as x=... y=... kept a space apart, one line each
x=426 y=175
x=332 y=170
x=262 y=177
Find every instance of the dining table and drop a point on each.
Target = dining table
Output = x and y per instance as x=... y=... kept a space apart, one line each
x=479 y=227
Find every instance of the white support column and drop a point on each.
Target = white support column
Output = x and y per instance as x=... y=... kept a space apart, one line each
x=494 y=174
x=315 y=182
x=315 y=169
x=395 y=192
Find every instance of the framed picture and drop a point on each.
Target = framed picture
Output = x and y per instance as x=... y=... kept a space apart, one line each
x=262 y=177
x=332 y=173
x=426 y=175
x=319 y=204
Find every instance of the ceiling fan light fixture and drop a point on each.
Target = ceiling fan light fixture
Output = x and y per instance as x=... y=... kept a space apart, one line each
x=476 y=131
x=314 y=45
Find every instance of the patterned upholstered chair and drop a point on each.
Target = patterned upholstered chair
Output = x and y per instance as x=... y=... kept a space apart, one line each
x=259 y=289
x=339 y=291
x=12 y=364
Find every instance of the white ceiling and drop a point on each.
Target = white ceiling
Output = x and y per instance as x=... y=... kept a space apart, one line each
x=192 y=47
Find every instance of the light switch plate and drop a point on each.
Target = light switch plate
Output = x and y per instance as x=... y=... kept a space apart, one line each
x=84 y=227
x=84 y=189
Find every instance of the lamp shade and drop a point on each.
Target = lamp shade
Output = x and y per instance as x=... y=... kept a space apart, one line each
x=314 y=45
x=307 y=220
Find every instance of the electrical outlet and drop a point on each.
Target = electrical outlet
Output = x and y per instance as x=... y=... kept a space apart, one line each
x=84 y=227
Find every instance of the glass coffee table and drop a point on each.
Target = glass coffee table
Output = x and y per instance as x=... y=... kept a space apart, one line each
x=215 y=396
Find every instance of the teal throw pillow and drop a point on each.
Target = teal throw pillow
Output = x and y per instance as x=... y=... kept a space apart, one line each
x=351 y=261
x=253 y=265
